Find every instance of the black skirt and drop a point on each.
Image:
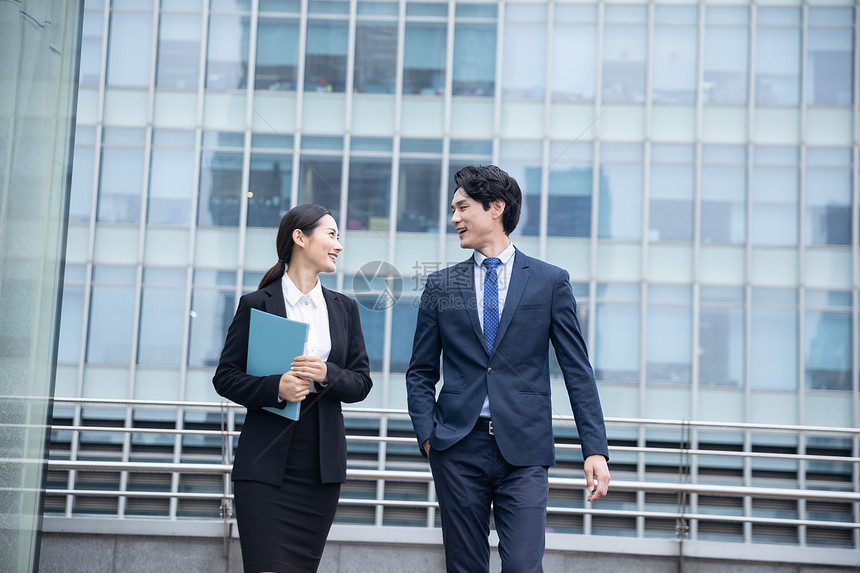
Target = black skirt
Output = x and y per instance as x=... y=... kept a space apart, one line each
x=284 y=529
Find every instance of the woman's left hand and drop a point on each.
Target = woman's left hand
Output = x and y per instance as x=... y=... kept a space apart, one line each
x=311 y=367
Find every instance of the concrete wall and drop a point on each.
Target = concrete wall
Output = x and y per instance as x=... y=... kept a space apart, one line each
x=74 y=552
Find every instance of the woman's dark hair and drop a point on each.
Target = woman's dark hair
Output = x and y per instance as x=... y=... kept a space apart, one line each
x=486 y=183
x=303 y=217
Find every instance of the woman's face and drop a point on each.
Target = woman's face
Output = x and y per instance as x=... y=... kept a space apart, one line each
x=321 y=247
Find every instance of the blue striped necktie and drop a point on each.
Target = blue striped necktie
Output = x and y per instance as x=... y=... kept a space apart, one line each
x=491 y=301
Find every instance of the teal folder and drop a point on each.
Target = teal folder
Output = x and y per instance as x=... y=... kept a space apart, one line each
x=273 y=343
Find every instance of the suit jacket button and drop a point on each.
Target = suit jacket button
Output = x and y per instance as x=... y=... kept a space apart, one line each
x=489 y=370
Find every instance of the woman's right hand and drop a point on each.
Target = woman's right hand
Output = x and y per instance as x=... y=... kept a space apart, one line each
x=293 y=388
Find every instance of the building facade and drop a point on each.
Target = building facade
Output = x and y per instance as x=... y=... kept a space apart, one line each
x=693 y=165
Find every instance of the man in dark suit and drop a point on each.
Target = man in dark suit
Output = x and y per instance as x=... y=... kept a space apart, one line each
x=488 y=436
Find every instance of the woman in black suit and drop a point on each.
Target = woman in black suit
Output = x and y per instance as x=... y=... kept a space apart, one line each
x=287 y=475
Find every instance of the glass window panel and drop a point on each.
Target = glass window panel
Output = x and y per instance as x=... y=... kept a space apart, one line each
x=723 y=192
x=673 y=76
x=178 y=64
x=269 y=189
x=775 y=208
x=574 y=61
x=828 y=206
x=570 y=183
x=777 y=63
x=120 y=184
x=418 y=199
x=671 y=203
x=227 y=54
x=668 y=344
x=277 y=54
x=474 y=59
x=830 y=66
x=171 y=186
x=369 y=193
x=129 y=49
x=71 y=322
x=616 y=342
x=373 y=328
x=773 y=349
x=325 y=58
x=403 y=319
x=375 y=57
x=425 y=48
x=319 y=182
x=181 y=4
x=220 y=189
x=721 y=346
x=620 y=201
x=726 y=64
x=162 y=315
x=110 y=324
x=211 y=314
x=231 y=5
x=524 y=60
x=522 y=161
x=827 y=343
x=91 y=48
x=81 y=197
x=280 y=6
x=624 y=50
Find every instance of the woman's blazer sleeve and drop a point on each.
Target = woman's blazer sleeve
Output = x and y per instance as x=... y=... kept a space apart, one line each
x=231 y=380
x=350 y=381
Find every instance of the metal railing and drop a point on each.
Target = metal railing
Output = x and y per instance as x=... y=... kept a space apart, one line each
x=798 y=474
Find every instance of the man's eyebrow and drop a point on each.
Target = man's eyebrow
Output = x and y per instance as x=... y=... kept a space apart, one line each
x=458 y=202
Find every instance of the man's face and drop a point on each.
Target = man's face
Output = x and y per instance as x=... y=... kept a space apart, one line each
x=476 y=227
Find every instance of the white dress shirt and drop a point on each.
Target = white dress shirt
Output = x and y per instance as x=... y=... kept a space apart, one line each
x=311 y=309
x=503 y=272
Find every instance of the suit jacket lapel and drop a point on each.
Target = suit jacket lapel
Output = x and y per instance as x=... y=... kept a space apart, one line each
x=275 y=303
x=337 y=327
x=463 y=278
x=519 y=280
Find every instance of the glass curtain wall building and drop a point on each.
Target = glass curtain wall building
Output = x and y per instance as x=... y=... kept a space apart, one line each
x=693 y=165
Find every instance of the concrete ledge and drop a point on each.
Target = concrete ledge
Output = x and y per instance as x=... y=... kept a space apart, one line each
x=106 y=553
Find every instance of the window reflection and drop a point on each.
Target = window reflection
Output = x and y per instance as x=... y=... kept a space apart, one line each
x=776 y=188
x=129 y=49
x=474 y=59
x=827 y=348
x=91 y=48
x=675 y=54
x=277 y=54
x=404 y=317
x=828 y=196
x=830 y=56
x=269 y=189
x=524 y=59
x=81 y=196
x=522 y=161
x=668 y=343
x=121 y=177
x=179 y=39
x=773 y=337
x=319 y=182
x=171 y=179
x=375 y=57
x=110 y=324
x=418 y=197
x=570 y=183
x=726 y=54
x=620 y=201
x=777 y=60
x=425 y=48
x=227 y=54
x=162 y=317
x=220 y=189
x=211 y=313
x=71 y=322
x=724 y=183
x=616 y=342
x=721 y=345
x=574 y=52
x=369 y=192
x=671 y=193
x=624 y=49
x=325 y=58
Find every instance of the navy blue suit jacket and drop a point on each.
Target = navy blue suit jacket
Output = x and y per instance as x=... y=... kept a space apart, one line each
x=539 y=309
x=264 y=444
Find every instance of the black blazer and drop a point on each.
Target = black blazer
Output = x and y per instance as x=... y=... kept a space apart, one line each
x=264 y=443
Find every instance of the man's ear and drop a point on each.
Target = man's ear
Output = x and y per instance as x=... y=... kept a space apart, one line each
x=498 y=207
